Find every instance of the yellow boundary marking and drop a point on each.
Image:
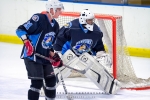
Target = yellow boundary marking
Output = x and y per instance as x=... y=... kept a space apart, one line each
x=133 y=51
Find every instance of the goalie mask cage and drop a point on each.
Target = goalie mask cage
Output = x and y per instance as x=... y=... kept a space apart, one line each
x=116 y=46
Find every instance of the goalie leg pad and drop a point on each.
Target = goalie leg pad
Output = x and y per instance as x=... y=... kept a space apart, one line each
x=70 y=59
x=65 y=73
x=99 y=75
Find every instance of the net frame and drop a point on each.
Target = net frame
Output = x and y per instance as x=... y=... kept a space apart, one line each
x=114 y=19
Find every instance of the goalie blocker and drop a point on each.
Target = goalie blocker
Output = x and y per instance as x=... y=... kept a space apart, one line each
x=94 y=71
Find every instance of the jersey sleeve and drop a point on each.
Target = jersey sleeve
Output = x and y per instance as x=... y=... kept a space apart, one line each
x=62 y=37
x=30 y=26
x=99 y=45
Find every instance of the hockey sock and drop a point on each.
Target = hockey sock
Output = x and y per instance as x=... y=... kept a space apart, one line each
x=34 y=91
x=50 y=88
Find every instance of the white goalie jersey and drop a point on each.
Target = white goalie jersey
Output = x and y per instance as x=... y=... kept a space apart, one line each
x=92 y=70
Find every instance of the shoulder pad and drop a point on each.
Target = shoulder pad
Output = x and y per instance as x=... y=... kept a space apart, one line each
x=68 y=25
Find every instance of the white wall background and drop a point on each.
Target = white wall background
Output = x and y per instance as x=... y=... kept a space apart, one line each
x=136 y=20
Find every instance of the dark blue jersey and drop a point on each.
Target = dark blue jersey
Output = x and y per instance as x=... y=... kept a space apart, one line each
x=41 y=32
x=75 y=37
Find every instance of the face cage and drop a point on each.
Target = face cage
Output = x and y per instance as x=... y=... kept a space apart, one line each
x=93 y=20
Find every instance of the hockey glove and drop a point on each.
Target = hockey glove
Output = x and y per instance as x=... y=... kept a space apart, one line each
x=29 y=47
x=57 y=62
x=103 y=58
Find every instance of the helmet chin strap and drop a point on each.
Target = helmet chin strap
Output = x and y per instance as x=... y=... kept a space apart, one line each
x=53 y=14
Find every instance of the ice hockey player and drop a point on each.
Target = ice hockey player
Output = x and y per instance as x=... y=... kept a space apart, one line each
x=38 y=35
x=82 y=35
x=82 y=38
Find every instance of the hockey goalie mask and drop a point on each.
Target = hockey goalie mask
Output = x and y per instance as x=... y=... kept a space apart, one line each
x=87 y=15
x=54 y=4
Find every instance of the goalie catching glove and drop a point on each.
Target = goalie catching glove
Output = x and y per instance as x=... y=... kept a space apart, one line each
x=103 y=58
x=56 y=61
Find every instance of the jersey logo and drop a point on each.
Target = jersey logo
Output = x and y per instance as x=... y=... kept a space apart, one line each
x=68 y=25
x=82 y=46
x=35 y=18
x=48 y=40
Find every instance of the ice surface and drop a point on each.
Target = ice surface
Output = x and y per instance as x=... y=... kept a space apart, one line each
x=14 y=83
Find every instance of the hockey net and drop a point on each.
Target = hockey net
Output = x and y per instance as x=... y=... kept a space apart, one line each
x=116 y=46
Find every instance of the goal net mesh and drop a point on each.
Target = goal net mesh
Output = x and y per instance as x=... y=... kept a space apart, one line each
x=115 y=45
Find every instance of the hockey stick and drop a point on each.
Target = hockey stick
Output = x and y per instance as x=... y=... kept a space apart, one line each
x=69 y=97
x=80 y=71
